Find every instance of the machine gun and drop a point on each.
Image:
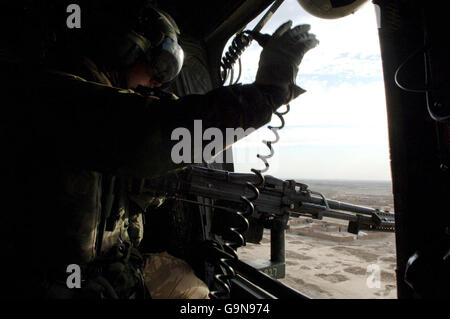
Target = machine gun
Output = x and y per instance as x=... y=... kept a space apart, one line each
x=277 y=198
x=277 y=201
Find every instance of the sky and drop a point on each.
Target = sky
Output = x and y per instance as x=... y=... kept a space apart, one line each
x=338 y=128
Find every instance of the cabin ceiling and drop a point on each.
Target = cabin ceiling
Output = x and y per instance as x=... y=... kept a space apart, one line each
x=200 y=19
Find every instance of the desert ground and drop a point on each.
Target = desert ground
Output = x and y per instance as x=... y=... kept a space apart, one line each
x=323 y=260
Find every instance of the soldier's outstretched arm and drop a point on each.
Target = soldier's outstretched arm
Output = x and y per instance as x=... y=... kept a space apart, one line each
x=101 y=128
x=64 y=119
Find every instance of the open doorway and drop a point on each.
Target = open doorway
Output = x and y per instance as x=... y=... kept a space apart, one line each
x=335 y=140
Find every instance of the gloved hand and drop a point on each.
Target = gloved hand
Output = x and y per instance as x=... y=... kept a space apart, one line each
x=281 y=55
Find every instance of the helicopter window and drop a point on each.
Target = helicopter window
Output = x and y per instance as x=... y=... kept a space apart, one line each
x=335 y=140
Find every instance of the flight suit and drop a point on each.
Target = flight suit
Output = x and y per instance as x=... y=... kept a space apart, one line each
x=62 y=135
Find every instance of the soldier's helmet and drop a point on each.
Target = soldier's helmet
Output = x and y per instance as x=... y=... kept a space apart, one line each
x=151 y=34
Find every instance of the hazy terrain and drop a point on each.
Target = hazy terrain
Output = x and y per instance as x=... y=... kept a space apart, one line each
x=376 y=194
x=323 y=260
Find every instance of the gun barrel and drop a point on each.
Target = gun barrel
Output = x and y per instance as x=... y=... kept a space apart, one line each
x=330 y=213
x=334 y=204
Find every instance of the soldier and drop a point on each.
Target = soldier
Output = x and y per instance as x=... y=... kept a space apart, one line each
x=76 y=143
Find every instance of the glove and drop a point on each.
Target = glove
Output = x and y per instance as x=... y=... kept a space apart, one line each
x=281 y=55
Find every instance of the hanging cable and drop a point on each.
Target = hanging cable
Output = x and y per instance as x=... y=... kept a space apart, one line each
x=435 y=109
x=428 y=89
x=232 y=239
x=400 y=68
x=240 y=42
